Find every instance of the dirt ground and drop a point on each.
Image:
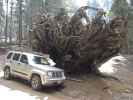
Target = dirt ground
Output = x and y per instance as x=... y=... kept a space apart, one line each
x=90 y=87
x=94 y=88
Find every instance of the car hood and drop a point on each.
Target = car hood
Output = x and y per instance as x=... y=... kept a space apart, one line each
x=46 y=67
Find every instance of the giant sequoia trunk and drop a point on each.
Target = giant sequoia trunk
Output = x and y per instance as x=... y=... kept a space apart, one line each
x=77 y=46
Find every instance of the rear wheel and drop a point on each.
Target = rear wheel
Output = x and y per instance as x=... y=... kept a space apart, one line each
x=36 y=83
x=7 y=73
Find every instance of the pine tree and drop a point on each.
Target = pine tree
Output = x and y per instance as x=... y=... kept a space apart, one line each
x=11 y=21
x=130 y=28
x=120 y=8
x=53 y=6
x=6 y=26
x=1 y=17
x=131 y=2
x=32 y=7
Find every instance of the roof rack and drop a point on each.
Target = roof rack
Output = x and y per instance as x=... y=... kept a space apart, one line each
x=26 y=49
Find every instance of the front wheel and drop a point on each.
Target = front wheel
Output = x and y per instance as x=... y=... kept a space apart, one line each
x=36 y=83
x=7 y=74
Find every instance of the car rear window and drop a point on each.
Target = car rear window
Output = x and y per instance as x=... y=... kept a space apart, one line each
x=16 y=56
x=9 y=55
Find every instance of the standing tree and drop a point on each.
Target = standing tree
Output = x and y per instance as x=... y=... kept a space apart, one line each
x=6 y=26
x=131 y=2
x=20 y=22
x=121 y=8
x=1 y=17
x=30 y=10
x=130 y=28
x=20 y=16
x=53 y=6
x=11 y=21
x=32 y=7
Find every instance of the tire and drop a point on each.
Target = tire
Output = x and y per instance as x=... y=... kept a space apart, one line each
x=7 y=73
x=36 y=83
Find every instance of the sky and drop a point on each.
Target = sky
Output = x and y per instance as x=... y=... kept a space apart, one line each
x=105 y=4
x=6 y=5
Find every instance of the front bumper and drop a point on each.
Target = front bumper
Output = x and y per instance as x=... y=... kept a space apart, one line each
x=53 y=82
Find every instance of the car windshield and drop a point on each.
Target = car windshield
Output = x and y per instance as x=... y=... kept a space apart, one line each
x=40 y=60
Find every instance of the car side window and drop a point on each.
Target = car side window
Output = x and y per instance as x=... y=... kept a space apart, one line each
x=9 y=55
x=24 y=59
x=16 y=56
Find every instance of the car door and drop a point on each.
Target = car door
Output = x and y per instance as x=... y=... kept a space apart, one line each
x=16 y=64
x=24 y=66
x=9 y=59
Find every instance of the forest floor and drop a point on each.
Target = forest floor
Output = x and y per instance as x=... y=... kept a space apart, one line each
x=88 y=87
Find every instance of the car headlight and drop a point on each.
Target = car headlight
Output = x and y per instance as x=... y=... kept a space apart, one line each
x=50 y=74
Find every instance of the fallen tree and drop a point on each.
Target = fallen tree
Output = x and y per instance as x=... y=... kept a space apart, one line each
x=78 y=45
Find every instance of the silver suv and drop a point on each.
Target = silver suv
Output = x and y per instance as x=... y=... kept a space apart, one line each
x=35 y=67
